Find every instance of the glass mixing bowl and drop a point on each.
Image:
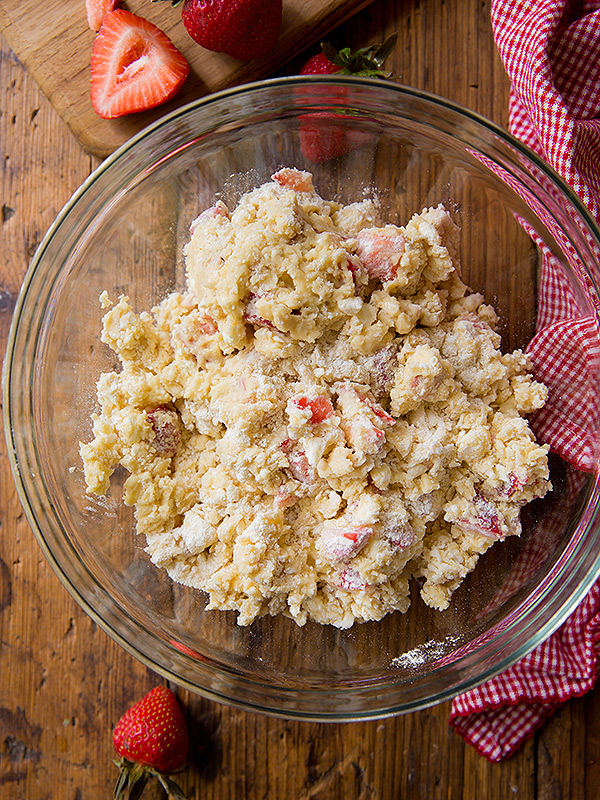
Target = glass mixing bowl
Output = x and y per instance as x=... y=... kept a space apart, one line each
x=123 y=231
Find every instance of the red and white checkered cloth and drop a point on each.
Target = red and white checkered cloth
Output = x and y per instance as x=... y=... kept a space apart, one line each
x=551 y=51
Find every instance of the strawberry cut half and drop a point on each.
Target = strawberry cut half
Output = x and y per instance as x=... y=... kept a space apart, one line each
x=134 y=65
x=96 y=10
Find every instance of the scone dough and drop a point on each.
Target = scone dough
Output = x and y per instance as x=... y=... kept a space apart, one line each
x=322 y=415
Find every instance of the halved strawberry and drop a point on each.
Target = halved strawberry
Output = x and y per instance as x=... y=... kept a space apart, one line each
x=96 y=10
x=135 y=66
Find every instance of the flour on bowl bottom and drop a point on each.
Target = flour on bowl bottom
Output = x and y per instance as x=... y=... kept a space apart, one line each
x=324 y=413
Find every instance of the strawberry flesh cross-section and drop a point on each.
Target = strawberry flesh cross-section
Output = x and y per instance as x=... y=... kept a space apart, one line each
x=134 y=66
x=320 y=407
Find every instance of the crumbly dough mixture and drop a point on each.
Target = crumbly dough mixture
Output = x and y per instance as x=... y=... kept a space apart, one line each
x=322 y=415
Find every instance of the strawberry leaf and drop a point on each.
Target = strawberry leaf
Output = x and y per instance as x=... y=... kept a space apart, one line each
x=131 y=782
x=170 y=786
x=367 y=61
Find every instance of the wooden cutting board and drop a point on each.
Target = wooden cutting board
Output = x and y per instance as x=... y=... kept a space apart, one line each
x=53 y=41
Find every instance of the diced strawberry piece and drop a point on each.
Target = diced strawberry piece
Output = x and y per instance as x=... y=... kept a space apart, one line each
x=516 y=481
x=165 y=425
x=354 y=264
x=378 y=410
x=363 y=420
x=206 y=324
x=299 y=465
x=284 y=499
x=400 y=536
x=320 y=407
x=380 y=252
x=340 y=541
x=364 y=437
x=351 y=581
x=135 y=66
x=192 y=329
x=252 y=317
x=201 y=324
x=417 y=383
x=96 y=10
x=218 y=210
x=294 y=179
x=383 y=370
x=486 y=522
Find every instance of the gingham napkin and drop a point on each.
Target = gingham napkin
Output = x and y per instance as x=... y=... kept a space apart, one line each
x=551 y=51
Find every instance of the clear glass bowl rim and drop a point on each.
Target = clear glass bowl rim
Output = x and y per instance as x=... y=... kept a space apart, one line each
x=560 y=608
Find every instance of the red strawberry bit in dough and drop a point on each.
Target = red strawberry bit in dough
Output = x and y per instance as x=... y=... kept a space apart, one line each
x=380 y=253
x=284 y=499
x=401 y=536
x=516 y=482
x=165 y=425
x=206 y=324
x=252 y=317
x=339 y=542
x=196 y=325
x=384 y=363
x=218 y=210
x=294 y=179
x=363 y=420
x=358 y=272
x=299 y=465
x=351 y=581
x=365 y=437
x=378 y=410
x=487 y=521
x=320 y=407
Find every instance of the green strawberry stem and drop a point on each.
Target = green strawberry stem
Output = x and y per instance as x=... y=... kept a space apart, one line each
x=367 y=61
x=134 y=777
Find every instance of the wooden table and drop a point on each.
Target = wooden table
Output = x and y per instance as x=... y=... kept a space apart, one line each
x=64 y=683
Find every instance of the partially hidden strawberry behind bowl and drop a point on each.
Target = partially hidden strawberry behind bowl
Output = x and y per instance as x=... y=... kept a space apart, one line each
x=328 y=134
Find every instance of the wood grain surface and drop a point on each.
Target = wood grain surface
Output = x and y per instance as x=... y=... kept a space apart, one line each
x=53 y=40
x=64 y=683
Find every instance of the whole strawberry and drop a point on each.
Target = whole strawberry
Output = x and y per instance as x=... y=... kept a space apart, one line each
x=152 y=739
x=244 y=29
x=328 y=134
